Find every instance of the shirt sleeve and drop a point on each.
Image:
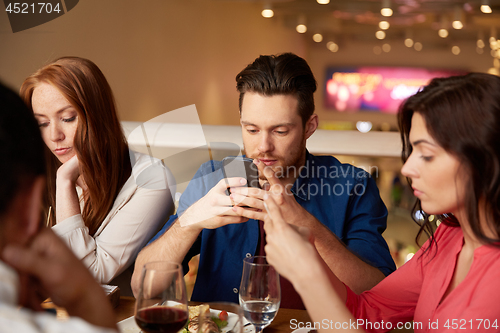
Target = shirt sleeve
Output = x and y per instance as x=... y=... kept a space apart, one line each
x=205 y=178
x=393 y=299
x=26 y=321
x=366 y=220
x=129 y=225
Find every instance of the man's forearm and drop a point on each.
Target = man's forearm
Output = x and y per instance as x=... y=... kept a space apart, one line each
x=173 y=246
x=348 y=267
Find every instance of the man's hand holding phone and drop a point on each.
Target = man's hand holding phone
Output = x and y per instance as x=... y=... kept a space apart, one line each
x=233 y=200
x=214 y=209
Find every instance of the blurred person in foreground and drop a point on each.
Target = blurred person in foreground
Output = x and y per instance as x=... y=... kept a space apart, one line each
x=338 y=202
x=107 y=201
x=451 y=152
x=34 y=263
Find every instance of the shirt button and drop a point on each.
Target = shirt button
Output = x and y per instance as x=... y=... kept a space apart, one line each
x=248 y=255
x=235 y=290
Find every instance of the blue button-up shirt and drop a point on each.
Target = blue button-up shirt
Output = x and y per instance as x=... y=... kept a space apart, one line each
x=342 y=197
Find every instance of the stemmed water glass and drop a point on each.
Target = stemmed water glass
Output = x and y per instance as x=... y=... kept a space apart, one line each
x=260 y=293
x=161 y=305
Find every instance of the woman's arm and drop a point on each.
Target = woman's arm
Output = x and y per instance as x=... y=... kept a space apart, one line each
x=137 y=213
x=67 y=202
x=292 y=253
x=327 y=300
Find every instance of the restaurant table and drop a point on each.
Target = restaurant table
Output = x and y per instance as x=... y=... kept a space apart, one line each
x=281 y=323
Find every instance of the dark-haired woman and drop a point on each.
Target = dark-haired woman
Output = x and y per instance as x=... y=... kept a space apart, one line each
x=108 y=201
x=451 y=149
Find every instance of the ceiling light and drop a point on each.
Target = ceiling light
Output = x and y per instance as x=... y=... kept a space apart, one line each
x=301 y=28
x=409 y=38
x=457 y=21
x=323 y=2
x=384 y=25
x=301 y=25
x=480 y=40
x=495 y=44
x=457 y=25
x=493 y=71
x=418 y=46
x=332 y=46
x=485 y=7
x=317 y=38
x=443 y=33
x=455 y=50
x=364 y=126
x=267 y=11
x=380 y=34
x=386 y=8
x=493 y=35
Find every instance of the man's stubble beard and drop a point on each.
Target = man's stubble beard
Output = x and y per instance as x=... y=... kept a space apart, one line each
x=295 y=161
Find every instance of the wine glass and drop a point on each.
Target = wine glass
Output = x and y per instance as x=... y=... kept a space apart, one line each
x=260 y=293
x=161 y=305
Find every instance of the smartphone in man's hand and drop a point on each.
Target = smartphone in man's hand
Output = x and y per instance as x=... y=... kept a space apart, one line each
x=239 y=166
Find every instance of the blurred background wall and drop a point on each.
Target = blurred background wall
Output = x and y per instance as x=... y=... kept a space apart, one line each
x=160 y=55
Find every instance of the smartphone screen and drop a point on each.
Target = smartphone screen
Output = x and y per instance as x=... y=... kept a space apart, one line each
x=239 y=166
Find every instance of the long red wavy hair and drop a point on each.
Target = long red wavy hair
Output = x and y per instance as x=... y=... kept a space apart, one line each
x=99 y=141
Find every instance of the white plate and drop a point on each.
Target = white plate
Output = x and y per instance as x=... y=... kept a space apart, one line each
x=303 y=330
x=129 y=325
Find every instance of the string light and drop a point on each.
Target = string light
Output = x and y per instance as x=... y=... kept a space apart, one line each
x=455 y=50
x=418 y=46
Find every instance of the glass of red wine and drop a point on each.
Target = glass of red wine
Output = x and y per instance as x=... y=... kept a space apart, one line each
x=161 y=306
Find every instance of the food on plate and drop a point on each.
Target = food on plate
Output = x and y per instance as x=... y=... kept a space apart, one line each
x=209 y=326
x=223 y=315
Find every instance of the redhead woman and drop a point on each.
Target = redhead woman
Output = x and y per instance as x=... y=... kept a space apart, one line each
x=451 y=152
x=106 y=200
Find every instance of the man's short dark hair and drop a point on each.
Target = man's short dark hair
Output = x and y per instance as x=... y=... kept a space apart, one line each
x=21 y=147
x=283 y=74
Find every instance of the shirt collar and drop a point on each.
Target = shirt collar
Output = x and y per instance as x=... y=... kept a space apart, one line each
x=299 y=188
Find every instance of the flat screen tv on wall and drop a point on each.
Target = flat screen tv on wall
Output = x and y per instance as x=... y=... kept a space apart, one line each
x=375 y=89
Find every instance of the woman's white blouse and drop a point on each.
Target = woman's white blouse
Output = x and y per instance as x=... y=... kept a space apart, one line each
x=140 y=209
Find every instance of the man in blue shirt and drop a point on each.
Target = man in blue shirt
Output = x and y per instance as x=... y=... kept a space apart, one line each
x=339 y=203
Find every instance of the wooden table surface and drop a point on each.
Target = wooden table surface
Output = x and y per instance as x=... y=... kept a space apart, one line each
x=286 y=320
